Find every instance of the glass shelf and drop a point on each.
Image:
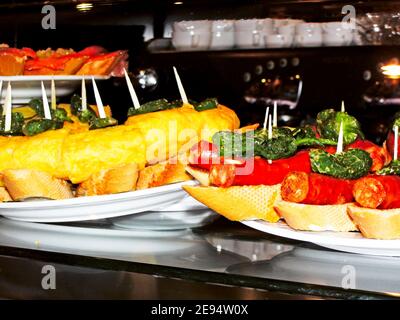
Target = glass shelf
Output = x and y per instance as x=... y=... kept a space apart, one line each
x=223 y=253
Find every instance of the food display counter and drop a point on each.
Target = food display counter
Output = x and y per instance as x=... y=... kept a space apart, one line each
x=199 y=149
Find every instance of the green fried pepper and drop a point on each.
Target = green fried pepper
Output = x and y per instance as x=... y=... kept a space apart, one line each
x=37 y=126
x=232 y=144
x=60 y=115
x=17 y=122
x=276 y=148
x=328 y=126
x=175 y=104
x=207 y=104
x=152 y=106
x=37 y=105
x=284 y=143
x=392 y=169
x=351 y=164
x=303 y=132
x=87 y=115
x=76 y=104
x=99 y=123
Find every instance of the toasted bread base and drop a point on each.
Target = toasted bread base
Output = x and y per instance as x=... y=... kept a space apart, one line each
x=119 y=179
x=22 y=184
x=376 y=223
x=309 y=217
x=4 y=195
x=162 y=173
x=239 y=203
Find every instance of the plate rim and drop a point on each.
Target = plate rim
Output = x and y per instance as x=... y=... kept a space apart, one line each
x=317 y=237
x=53 y=77
x=88 y=200
x=81 y=230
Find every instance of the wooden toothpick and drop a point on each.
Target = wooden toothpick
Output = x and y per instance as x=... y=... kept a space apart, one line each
x=342 y=107
x=269 y=128
x=8 y=108
x=132 y=92
x=99 y=102
x=266 y=118
x=83 y=95
x=180 y=87
x=53 y=95
x=275 y=118
x=1 y=94
x=269 y=132
x=339 y=148
x=396 y=142
x=46 y=108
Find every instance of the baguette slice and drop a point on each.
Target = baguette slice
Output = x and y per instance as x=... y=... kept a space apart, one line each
x=310 y=217
x=23 y=183
x=162 y=173
x=4 y=195
x=239 y=203
x=119 y=179
x=376 y=223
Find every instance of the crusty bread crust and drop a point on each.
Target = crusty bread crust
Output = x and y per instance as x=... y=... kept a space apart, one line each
x=376 y=223
x=119 y=179
x=4 y=195
x=160 y=174
x=239 y=203
x=310 y=217
x=22 y=184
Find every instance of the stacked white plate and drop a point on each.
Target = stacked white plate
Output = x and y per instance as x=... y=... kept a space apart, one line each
x=187 y=213
x=95 y=207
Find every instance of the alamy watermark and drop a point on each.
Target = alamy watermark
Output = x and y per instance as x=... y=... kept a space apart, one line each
x=49 y=280
x=349 y=20
x=349 y=278
x=49 y=20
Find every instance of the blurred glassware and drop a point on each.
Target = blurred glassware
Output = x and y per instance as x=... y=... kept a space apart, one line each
x=192 y=35
x=285 y=90
x=379 y=28
x=222 y=36
x=146 y=79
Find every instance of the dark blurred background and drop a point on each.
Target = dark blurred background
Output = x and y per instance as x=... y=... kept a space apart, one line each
x=241 y=79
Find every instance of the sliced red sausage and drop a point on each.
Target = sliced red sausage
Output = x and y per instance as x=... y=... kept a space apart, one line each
x=382 y=192
x=261 y=172
x=314 y=188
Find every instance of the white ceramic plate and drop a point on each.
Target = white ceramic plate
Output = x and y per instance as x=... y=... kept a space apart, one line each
x=97 y=240
x=95 y=207
x=167 y=220
x=186 y=204
x=343 y=241
x=180 y=248
x=316 y=265
x=25 y=88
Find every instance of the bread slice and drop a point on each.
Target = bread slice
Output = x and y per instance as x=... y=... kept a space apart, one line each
x=23 y=183
x=201 y=176
x=4 y=195
x=376 y=223
x=239 y=203
x=162 y=173
x=310 y=217
x=119 y=179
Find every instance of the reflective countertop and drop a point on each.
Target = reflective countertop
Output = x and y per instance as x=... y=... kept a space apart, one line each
x=222 y=252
